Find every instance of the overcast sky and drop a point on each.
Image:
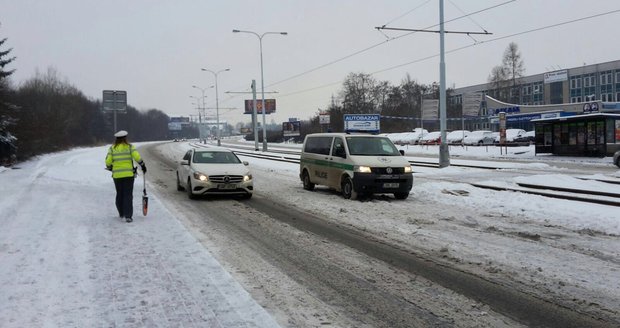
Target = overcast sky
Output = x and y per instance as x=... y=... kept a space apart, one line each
x=155 y=49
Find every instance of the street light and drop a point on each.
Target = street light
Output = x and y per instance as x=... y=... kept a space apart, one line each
x=217 y=103
x=262 y=82
x=203 y=109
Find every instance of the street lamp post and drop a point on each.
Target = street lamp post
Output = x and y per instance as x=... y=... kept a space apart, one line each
x=262 y=82
x=217 y=102
x=203 y=109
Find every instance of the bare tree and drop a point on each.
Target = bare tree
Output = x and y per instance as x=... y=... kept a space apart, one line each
x=505 y=80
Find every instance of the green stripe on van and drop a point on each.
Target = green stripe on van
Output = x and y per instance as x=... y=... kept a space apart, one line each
x=322 y=162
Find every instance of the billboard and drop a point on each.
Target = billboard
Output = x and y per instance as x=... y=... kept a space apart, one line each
x=430 y=109
x=362 y=123
x=291 y=129
x=270 y=105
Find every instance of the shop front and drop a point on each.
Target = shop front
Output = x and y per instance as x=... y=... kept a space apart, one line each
x=579 y=135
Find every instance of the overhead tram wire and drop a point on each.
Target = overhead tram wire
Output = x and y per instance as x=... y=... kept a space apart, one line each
x=462 y=48
x=382 y=43
x=407 y=13
x=367 y=49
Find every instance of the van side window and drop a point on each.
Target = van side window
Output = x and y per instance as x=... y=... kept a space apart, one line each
x=318 y=145
x=338 y=149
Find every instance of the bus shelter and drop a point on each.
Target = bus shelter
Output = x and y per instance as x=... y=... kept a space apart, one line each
x=596 y=135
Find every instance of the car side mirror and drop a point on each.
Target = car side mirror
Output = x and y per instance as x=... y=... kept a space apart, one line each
x=246 y=163
x=402 y=152
x=184 y=162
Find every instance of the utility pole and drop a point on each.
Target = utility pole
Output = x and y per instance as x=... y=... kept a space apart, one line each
x=444 y=156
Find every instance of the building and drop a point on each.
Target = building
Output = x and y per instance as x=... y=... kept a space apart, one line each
x=585 y=89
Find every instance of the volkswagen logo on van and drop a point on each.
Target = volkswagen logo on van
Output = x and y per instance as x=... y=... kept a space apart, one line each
x=389 y=170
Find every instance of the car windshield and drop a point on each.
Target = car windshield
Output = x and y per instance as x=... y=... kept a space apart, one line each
x=215 y=157
x=371 y=146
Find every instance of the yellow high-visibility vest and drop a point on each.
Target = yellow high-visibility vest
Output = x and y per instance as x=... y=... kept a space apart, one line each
x=121 y=158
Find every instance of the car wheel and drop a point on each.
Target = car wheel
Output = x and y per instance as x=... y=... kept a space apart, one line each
x=179 y=187
x=347 y=189
x=618 y=162
x=190 y=194
x=401 y=195
x=305 y=177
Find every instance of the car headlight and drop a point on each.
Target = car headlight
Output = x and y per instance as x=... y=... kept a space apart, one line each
x=408 y=169
x=247 y=178
x=362 y=169
x=200 y=176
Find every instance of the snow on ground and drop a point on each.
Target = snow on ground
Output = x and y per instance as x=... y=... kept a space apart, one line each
x=67 y=260
x=558 y=247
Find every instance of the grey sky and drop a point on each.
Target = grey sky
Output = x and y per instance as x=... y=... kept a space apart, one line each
x=155 y=49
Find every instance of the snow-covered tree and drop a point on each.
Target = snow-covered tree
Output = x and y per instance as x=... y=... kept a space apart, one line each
x=7 y=140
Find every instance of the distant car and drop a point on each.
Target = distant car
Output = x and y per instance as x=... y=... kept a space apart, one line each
x=456 y=136
x=479 y=137
x=511 y=134
x=213 y=171
x=176 y=140
x=431 y=138
x=409 y=138
x=617 y=158
x=527 y=137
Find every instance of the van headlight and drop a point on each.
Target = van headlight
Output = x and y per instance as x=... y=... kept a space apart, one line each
x=201 y=177
x=408 y=169
x=247 y=177
x=362 y=169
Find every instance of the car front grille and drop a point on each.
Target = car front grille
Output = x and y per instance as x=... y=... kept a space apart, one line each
x=226 y=178
x=383 y=170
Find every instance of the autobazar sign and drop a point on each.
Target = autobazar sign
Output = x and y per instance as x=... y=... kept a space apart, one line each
x=362 y=123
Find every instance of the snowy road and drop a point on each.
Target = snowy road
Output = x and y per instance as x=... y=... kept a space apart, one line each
x=68 y=261
x=473 y=237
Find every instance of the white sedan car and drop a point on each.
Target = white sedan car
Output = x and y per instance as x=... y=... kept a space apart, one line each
x=213 y=171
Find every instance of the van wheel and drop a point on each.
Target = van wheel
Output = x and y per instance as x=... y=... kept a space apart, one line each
x=179 y=187
x=347 y=189
x=305 y=177
x=190 y=194
x=401 y=195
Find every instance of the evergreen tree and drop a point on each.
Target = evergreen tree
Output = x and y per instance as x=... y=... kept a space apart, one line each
x=7 y=140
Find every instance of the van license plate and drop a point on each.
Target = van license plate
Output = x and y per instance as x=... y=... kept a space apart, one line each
x=390 y=185
x=227 y=186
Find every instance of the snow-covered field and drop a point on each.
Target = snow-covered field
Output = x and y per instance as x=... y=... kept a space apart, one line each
x=66 y=258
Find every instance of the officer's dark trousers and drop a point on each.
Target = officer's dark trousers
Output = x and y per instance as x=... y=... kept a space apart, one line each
x=124 y=196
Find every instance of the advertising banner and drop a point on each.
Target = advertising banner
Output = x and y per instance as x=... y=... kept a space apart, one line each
x=291 y=129
x=557 y=76
x=471 y=103
x=362 y=123
x=617 y=131
x=270 y=105
x=430 y=109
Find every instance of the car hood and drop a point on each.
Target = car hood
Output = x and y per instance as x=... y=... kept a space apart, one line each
x=221 y=169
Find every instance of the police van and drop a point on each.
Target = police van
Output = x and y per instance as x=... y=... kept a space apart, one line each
x=355 y=165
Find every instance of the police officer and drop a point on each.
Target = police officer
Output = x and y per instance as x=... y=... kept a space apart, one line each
x=119 y=160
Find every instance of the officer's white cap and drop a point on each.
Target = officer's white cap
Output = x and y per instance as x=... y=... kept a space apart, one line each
x=120 y=134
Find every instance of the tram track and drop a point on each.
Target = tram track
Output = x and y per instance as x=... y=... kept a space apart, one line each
x=587 y=196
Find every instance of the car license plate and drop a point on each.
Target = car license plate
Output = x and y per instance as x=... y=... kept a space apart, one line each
x=390 y=185
x=227 y=186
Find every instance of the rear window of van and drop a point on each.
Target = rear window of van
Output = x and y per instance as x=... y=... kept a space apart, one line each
x=318 y=145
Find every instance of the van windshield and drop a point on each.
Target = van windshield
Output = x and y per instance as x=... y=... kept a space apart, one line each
x=371 y=146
